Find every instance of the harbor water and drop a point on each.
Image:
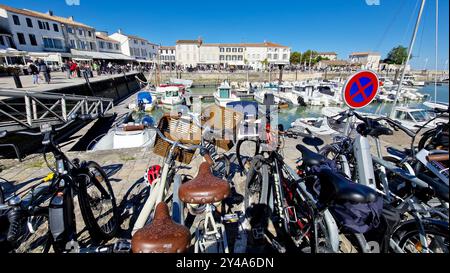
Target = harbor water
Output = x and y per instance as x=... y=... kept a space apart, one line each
x=289 y=115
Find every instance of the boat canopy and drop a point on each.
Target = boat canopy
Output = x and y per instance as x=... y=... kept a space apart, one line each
x=145 y=97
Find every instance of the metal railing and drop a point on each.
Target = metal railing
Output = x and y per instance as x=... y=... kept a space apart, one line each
x=21 y=110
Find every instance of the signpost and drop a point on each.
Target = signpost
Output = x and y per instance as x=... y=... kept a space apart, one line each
x=360 y=89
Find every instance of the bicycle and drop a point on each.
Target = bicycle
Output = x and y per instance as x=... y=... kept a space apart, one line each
x=155 y=207
x=296 y=211
x=88 y=181
x=378 y=173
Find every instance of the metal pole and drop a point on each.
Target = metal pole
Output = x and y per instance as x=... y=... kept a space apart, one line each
x=411 y=46
x=436 y=53
x=28 y=110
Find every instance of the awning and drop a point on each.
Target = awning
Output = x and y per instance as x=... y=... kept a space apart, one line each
x=99 y=55
x=11 y=52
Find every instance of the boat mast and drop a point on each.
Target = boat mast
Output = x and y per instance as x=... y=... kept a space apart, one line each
x=436 y=53
x=411 y=46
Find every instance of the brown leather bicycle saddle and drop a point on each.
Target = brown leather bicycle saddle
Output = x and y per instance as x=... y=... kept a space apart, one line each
x=162 y=235
x=205 y=188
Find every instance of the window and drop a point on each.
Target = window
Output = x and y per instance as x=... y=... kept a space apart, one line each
x=47 y=26
x=228 y=49
x=116 y=46
x=55 y=27
x=21 y=38
x=2 y=41
x=101 y=44
x=48 y=43
x=72 y=43
x=239 y=58
x=234 y=58
x=83 y=44
x=29 y=22
x=142 y=43
x=228 y=57
x=80 y=32
x=33 y=40
x=41 y=26
x=269 y=56
x=110 y=46
x=92 y=45
x=70 y=30
x=222 y=49
x=240 y=49
x=285 y=57
x=16 y=20
x=135 y=41
x=89 y=33
x=58 y=43
x=275 y=56
x=234 y=49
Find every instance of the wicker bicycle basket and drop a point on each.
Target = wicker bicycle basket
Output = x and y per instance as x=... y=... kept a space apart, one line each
x=224 y=122
x=178 y=129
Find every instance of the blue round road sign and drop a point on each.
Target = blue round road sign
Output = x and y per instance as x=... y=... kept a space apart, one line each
x=360 y=89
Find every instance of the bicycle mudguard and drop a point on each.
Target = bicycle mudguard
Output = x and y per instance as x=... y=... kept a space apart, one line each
x=333 y=231
x=412 y=224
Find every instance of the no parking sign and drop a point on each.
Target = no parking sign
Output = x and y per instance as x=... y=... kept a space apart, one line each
x=360 y=89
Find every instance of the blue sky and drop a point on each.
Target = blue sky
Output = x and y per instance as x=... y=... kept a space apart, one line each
x=342 y=26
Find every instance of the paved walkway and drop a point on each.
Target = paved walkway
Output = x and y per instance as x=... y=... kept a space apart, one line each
x=59 y=80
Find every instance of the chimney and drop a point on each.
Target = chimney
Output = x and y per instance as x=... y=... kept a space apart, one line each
x=70 y=18
x=200 y=40
x=50 y=12
x=119 y=31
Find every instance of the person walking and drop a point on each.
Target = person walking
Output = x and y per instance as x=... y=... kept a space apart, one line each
x=43 y=68
x=34 y=71
x=73 y=69
x=66 y=66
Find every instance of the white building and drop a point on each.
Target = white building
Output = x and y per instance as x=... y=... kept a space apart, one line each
x=107 y=44
x=366 y=60
x=188 y=52
x=332 y=56
x=167 y=55
x=195 y=52
x=138 y=48
x=32 y=31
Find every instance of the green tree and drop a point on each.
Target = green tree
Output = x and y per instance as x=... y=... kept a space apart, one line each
x=265 y=63
x=309 y=55
x=296 y=57
x=397 y=55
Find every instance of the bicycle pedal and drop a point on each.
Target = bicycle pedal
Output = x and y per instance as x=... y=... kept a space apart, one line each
x=122 y=246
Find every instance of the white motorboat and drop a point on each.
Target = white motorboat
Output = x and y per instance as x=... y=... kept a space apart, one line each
x=132 y=132
x=225 y=95
x=411 y=80
x=145 y=100
x=186 y=83
x=316 y=126
x=171 y=96
x=261 y=96
x=413 y=118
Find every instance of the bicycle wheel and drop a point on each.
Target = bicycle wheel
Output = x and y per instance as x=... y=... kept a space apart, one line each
x=97 y=202
x=246 y=149
x=37 y=238
x=408 y=237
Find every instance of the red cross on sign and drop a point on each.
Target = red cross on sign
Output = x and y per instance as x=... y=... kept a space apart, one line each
x=360 y=89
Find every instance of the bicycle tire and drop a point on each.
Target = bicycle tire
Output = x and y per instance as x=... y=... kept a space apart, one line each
x=408 y=230
x=94 y=227
x=241 y=161
x=2 y=196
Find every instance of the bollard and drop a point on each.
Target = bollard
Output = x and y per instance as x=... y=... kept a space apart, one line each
x=17 y=80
